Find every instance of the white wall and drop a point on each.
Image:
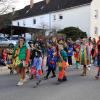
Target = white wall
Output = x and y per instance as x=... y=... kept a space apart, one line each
x=42 y=21
x=77 y=17
x=95 y=22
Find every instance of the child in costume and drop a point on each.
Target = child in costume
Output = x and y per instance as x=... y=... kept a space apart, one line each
x=51 y=61
x=76 y=54
x=10 y=61
x=70 y=54
x=62 y=64
x=51 y=66
x=37 y=68
x=98 y=58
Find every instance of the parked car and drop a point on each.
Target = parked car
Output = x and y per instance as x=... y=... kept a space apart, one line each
x=14 y=39
x=6 y=42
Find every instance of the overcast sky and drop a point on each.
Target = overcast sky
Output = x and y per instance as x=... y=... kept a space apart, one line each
x=22 y=3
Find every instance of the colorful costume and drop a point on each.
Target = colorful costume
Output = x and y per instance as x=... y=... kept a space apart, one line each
x=76 y=54
x=70 y=54
x=21 y=58
x=98 y=59
x=89 y=45
x=10 y=61
x=62 y=64
x=36 y=69
x=84 y=58
x=51 y=62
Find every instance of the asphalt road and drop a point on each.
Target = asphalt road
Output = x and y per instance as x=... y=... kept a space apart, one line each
x=76 y=88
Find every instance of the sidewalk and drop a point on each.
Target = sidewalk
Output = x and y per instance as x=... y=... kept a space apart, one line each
x=4 y=70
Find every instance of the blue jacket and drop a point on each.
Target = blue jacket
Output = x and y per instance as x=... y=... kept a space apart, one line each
x=37 y=62
x=70 y=51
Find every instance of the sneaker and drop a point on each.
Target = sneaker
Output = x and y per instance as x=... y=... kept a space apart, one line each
x=88 y=68
x=20 y=83
x=64 y=78
x=45 y=78
x=25 y=80
x=31 y=77
x=53 y=76
x=27 y=77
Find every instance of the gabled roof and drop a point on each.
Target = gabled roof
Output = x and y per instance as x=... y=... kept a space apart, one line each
x=43 y=8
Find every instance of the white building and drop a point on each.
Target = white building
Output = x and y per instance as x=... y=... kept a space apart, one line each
x=95 y=18
x=58 y=14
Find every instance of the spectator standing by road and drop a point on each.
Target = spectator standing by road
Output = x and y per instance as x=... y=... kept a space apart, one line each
x=98 y=58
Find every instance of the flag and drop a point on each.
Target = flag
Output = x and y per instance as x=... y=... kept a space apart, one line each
x=31 y=3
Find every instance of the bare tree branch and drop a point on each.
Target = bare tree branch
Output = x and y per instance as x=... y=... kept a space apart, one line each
x=6 y=6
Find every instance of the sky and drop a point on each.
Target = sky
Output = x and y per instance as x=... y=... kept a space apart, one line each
x=22 y=3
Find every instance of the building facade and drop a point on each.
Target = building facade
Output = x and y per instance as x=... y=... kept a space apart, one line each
x=95 y=18
x=83 y=14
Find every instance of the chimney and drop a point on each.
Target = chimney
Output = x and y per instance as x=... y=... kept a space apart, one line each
x=47 y=1
x=31 y=3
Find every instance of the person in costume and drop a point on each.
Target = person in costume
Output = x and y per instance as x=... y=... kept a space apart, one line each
x=37 y=68
x=62 y=64
x=76 y=53
x=98 y=58
x=93 y=51
x=70 y=54
x=4 y=55
x=89 y=44
x=32 y=55
x=51 y=62
x=21 y=56
x=9 y=60
x=84 y=57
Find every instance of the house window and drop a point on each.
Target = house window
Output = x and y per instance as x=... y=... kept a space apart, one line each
x=96 y=30
x=60 y=17
x=96 y=13
x=54 y=17
x=18 y=23
x=34 y=21
x=23 y=22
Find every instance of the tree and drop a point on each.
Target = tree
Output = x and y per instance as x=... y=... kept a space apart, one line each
x=6 y=6
x=73 y=32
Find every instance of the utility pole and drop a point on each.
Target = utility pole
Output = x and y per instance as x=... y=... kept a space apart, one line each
x=13 y=9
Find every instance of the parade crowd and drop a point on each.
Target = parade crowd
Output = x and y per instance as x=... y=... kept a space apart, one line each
x=30 y=61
